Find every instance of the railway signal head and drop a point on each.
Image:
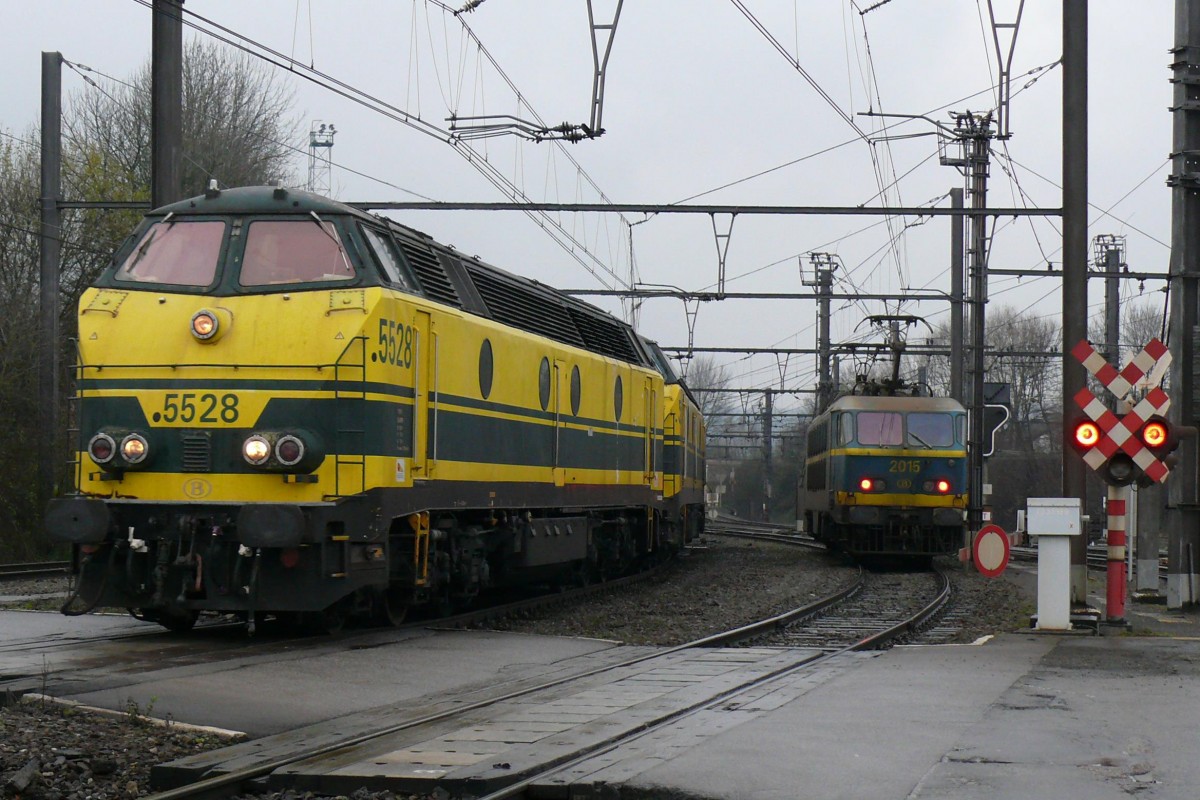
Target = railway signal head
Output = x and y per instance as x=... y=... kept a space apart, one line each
x=1160 y=438
x=1133 y=445
x=1086 y=435
x=1157 y=435
x=1114 y=466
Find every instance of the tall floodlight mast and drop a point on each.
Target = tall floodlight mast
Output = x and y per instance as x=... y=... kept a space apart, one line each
x=320 y=153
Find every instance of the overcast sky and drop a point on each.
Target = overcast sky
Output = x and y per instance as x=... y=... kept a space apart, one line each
x=697 y=100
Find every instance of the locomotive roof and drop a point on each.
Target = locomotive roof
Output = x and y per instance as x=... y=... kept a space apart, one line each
x=873 y=403
x=446 y=275
x=258 y=200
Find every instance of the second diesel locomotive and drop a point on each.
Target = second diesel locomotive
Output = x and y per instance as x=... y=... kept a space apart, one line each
x=887 y=476
x=287 y=405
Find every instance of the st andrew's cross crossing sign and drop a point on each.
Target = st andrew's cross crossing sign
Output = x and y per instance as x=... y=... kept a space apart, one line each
x=1132 y=446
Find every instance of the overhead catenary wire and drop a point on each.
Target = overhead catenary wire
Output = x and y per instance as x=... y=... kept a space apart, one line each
x=563 y=238
x=82 y=68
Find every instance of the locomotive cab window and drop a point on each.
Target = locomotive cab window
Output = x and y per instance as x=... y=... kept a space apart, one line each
x=930 y=430
x=293 y=251
x=844 y=425
x=880 y=428
x=394 y=271
x=176 y=252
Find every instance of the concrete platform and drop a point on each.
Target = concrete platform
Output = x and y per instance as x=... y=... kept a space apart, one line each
x=1024 y=715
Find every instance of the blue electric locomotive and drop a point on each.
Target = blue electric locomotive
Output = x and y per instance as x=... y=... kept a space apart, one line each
x=887 y=476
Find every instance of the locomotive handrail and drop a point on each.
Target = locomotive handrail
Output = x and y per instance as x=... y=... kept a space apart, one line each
x=210 y=365
x=339 y=459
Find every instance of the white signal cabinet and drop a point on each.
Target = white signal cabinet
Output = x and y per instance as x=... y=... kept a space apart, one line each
x=1053 y=520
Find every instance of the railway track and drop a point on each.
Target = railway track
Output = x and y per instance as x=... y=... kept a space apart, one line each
x=902 y=604
x=562 y=752
x=912 y=601
x=212 y=629
x=1097 y=558
x=33 y=569
x=763 y=532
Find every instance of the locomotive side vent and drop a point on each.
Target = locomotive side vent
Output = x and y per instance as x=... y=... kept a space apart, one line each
x=604 y=336
x=429 y=271
x=513 y=304
x=197 y=451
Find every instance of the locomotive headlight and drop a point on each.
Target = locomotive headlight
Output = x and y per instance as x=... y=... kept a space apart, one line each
x=210 y=324
x=204 y=325
x=289 y=450
x=134 y=448
x=256 y=450
x=294 y=452
x=102 y=448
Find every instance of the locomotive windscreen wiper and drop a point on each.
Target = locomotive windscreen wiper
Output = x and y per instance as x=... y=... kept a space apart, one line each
x=920 y=441
x=144 y=247
x=321 y=224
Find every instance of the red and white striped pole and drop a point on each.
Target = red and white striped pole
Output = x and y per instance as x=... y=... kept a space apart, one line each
x=1117 y=499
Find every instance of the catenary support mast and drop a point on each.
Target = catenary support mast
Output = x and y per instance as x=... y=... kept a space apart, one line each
x=1075 y=256
x=1183 y=516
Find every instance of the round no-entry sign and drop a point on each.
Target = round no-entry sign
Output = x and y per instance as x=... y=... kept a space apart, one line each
x=990 y=550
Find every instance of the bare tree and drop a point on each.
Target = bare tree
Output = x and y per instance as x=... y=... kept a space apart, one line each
x=19 y=175
x=1141 y=321
x=238 y=127
x=1019 y=344
x=704 y=375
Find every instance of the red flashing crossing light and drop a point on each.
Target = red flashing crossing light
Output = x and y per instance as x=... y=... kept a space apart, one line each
x=1161 y=438
x=1116 y=469
x=1155 y=434
x=1087 y=435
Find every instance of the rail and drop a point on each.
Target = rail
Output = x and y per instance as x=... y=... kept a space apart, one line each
x=33 y=569
x=223 y=784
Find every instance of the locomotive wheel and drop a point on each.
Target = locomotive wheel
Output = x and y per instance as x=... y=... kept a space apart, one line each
x=289 y=622
x=331 y=619
x=176 y=620
x=179 y=620
x=391 y=607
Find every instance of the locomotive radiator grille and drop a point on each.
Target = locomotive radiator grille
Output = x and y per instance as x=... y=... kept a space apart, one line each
x=197 y=451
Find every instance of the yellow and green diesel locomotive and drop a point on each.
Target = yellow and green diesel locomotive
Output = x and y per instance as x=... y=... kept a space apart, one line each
x=287 y=405
x=887 y=476
x=684 y=447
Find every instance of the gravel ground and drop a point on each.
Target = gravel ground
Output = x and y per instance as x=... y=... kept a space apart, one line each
x=51 y=753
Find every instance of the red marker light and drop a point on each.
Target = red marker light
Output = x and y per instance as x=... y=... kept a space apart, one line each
x=865 y=484
x=943 y=486
x=1087 y=434
x=1154 y=434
